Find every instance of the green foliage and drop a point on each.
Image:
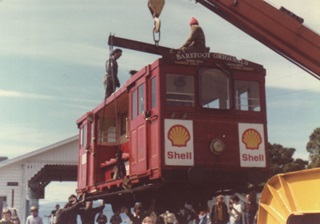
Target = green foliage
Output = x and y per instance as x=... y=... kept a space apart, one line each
x=313 y=147
x=281 y=160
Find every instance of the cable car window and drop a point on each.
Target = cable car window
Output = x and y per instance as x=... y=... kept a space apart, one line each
x=134 y=105
x=153 y=92
x=123 y=123
x=141 y=99
x=107 y=132
x=92 y=132
x=247 y=95
x=83 y=136
x=214 y=89
x=179 y=90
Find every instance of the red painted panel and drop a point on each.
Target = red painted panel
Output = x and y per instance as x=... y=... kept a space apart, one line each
x=138 y=129
x=134 y=151
x=82 y=160
x=141 y=165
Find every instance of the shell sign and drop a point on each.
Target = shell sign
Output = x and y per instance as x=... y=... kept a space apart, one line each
x=252 y=145
x=251 y=138
x=178 y=135
x=178 y=142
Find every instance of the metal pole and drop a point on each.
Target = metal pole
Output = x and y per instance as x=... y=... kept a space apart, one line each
x=12 y=198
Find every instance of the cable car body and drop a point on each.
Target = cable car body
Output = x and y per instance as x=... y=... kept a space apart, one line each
x=187 y=126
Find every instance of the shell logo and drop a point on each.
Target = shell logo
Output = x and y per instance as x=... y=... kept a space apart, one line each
x=178 y=135
x=251 y=138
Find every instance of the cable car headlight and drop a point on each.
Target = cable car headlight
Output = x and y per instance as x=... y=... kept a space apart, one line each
x=217 y=146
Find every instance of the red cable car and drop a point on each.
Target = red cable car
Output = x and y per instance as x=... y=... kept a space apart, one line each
x=180 y=129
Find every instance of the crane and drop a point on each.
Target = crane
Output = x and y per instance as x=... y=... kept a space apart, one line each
x=279 y=29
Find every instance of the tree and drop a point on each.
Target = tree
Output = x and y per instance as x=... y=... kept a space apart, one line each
x=281 y=160
x=313 y=147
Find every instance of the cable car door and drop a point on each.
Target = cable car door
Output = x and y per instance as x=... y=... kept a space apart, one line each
x=85 y=160
x=138 y=128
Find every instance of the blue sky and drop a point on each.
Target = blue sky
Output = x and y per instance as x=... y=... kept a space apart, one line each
x=53 y=53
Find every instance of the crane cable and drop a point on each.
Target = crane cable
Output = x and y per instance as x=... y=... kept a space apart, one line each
x=114 y=87
x=156 y=30
x=113 y=83
x=119 y=167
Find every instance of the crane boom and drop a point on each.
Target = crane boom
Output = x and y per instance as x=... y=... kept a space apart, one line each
x=278 y=29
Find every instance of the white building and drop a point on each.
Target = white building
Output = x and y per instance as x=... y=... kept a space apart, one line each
x=23 y=179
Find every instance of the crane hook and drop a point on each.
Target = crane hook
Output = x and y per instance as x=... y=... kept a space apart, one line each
x=155 y=7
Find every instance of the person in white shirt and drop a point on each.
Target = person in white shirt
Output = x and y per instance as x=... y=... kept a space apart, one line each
x=34 y=218
x=235 y=210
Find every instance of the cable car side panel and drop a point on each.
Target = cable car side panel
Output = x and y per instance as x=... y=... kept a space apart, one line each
x=186 y=121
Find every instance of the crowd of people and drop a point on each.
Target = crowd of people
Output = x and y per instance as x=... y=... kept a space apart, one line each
x=235 y=212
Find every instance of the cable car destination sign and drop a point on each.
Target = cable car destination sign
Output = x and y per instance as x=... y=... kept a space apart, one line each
x=198 y=58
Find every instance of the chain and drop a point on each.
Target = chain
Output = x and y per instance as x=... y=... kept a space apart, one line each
x=156 y=30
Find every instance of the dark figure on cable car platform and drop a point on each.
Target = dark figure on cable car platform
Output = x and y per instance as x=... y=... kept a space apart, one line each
x=196 y=41
x=111 y=80
x=120 y=169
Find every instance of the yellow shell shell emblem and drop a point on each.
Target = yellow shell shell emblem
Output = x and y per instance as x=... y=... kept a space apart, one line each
x=251 y=138
x=178 y=135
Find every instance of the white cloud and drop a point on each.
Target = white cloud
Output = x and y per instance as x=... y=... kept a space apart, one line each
x=17 y=94
x=27 y=133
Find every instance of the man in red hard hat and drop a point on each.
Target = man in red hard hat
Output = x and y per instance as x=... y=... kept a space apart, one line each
x=196 y=41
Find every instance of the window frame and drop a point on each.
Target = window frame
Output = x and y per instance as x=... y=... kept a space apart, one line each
x=238 y=101
x=228 y=90
x=183 y=96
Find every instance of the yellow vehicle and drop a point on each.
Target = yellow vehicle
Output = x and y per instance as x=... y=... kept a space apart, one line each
x=291 y=198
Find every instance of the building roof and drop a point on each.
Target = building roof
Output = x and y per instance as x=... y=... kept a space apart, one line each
x=37 y=152
x=2 y=158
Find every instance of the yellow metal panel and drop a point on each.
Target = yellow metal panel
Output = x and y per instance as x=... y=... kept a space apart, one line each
x=290 y=194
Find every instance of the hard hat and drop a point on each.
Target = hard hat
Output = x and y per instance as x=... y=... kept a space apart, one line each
x=193 y=21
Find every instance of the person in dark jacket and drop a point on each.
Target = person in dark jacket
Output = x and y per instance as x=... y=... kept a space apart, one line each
x=219 y=212
x=102 y=218
x=116 y=218
x=111 y=80
x=68 y=214
x=196 y=41
x=250 y=208
x=88 y=213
